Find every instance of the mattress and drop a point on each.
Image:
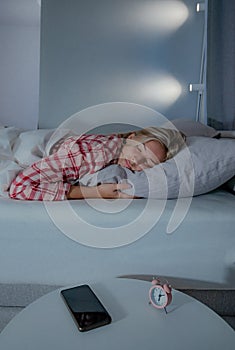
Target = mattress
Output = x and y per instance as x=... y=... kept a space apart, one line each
x=198 y=253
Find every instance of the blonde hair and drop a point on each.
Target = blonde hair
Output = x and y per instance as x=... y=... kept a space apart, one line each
x=172 y=139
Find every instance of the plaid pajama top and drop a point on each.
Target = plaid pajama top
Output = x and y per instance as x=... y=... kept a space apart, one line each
x=51 y=177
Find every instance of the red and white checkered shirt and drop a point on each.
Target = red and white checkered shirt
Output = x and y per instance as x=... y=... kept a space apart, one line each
x=51 y=177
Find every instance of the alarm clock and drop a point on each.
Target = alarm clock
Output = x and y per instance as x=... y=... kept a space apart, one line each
x=160 y=294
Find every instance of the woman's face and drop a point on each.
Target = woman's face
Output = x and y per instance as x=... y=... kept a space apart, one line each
x=138 y=156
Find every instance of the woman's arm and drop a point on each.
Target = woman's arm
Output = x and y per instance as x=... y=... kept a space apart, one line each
x=111 y=191
x=43 y=180
x=50 y=177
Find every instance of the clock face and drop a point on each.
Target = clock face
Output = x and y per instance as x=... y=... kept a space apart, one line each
x=158 y=296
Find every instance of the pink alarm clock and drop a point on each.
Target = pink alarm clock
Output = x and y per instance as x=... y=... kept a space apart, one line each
x=160 y=294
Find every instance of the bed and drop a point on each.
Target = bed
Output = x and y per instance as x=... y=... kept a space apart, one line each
x=199 y=253
x=189 y=240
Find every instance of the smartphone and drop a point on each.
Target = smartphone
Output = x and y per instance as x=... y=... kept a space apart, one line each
x=85 y=307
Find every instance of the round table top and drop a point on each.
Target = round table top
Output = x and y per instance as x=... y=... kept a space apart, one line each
x=47 y=324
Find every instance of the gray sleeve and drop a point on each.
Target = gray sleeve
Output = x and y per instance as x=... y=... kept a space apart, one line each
x=116 y=174
x=139 y=180
x=110 y=174
x=149 y=183
x=161 y=181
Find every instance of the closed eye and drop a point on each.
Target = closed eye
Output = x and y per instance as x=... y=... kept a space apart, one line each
x=149 y=161
x=140 y=148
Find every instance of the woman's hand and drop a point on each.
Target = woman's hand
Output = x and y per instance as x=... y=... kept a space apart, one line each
x=108 y=191
x=112 y=191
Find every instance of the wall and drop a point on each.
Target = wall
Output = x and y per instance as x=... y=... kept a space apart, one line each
x=19 y=63
x=140 y=51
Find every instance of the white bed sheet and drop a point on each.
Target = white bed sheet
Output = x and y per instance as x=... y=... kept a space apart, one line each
x=199 y=254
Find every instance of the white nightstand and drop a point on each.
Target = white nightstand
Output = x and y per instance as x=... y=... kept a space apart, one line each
x=46 y=324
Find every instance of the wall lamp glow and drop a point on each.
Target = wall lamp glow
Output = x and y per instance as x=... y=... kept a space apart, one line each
x=200 y=6
x=196 y=87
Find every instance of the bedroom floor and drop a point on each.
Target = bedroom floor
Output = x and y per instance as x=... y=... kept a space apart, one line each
x=220 y=301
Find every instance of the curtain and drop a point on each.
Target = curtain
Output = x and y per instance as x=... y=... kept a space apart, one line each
x=221 y=64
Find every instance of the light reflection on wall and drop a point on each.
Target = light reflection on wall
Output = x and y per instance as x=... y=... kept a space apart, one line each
x=162 y=90
x=158 y=17
x=155 y=19
x=159 y=89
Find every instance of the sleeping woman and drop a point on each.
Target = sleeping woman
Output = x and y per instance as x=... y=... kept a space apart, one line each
x=53 y=178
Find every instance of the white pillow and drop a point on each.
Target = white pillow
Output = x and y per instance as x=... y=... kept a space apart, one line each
x=8 y=171
x=32 y=145
x=213 y=163
x=205 y=164
x=193 y=128
x=8 y=137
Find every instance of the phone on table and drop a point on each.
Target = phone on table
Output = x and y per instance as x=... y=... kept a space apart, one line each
x=85 y=307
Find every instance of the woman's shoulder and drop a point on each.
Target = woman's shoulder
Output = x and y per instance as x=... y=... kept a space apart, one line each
x=93 y=141
x=91 y=137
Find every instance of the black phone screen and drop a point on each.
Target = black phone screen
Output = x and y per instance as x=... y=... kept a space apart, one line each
x=85 y=307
